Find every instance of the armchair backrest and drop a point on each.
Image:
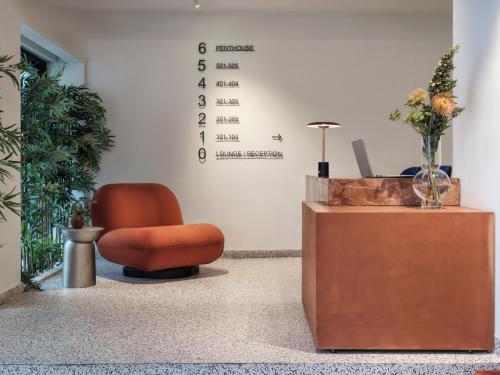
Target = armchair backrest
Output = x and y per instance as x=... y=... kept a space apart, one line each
x=116 y=206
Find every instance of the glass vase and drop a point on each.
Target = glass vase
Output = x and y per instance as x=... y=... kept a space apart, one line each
x=431 y=184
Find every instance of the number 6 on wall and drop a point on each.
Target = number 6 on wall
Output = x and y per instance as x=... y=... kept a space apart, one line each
x=202 y=48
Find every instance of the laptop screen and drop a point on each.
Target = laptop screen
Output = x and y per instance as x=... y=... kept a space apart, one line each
x=362 y=158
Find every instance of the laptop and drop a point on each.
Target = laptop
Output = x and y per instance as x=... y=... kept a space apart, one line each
x=364 y=164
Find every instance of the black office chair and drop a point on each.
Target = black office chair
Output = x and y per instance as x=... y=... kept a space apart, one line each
x=412 y=171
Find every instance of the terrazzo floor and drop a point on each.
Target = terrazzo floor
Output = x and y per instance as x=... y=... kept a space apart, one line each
x=244 y=314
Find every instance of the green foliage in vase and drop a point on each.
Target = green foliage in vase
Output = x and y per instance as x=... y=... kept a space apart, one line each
x=10 y=142
x=64 y=137
x=442 y=79
x=433 y=117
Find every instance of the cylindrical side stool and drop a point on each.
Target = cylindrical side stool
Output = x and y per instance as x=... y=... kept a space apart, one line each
x=79 y=257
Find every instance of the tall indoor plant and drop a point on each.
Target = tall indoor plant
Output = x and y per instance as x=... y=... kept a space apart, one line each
x=64 y=137
x=10 y=145
x=431 y=118
x=10 y=142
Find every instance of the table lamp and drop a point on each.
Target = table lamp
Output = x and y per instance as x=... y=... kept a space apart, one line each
x=323 y=168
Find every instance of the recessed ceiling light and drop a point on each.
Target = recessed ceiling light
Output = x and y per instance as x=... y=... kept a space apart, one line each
x=196 y=3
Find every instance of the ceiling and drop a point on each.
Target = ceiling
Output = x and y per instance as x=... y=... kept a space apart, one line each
x=256 y=5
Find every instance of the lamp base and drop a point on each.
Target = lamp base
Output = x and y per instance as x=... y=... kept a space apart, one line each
x=323 y=169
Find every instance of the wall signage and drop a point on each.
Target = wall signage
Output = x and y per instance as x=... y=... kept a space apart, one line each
x=277 y=138
x=235 y=48
x=232 y=102
x=224 y=155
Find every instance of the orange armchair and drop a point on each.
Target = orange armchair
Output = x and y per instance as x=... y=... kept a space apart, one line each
x=144 y=231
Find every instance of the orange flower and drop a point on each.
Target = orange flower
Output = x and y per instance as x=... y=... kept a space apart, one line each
x=418 y=95
x=444 y=104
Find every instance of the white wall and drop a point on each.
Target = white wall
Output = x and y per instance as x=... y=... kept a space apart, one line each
x=477 y=132
x=349 y=67
x=353 y=68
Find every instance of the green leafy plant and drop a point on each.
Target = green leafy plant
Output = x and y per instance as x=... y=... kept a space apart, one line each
x=77 y=209
x=432 y=118
x=64 y=137
x=10 y=143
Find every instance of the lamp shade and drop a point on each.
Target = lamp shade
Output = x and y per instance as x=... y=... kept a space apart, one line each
x=324 y=125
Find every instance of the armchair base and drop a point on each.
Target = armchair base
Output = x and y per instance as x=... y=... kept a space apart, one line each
x=170 y=273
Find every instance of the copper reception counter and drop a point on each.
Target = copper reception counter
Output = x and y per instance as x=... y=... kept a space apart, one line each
x=386 y=277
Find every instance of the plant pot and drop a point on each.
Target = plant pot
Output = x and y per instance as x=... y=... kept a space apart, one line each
x=76 y=221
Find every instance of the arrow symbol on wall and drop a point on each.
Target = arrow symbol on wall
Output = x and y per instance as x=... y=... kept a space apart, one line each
x=278 y=138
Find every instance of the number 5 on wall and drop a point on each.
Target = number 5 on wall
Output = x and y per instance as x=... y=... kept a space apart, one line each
x=201 y=65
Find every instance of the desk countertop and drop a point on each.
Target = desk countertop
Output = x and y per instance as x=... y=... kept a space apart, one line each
x=319 y=207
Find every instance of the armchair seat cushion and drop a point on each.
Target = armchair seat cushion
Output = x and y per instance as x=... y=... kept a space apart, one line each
x=161 y=247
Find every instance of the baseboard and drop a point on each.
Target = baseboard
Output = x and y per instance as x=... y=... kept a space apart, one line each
x=241 y=254
x=11 y=293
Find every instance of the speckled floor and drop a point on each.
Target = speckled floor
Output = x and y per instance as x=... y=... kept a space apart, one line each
x=237 y=311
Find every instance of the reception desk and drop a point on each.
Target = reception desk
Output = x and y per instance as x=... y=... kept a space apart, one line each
x=389 y=277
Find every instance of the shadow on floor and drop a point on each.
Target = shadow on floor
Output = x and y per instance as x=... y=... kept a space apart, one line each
x=111 y=271
x=116 y=275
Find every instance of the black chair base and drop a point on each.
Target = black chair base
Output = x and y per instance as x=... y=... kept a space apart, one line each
x=170 y=273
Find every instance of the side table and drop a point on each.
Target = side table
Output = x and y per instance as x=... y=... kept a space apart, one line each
x=79 y=257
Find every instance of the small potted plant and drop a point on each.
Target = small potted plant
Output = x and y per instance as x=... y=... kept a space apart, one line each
x=77 y=220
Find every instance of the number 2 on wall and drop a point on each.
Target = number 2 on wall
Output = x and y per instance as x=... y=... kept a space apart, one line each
x=202 y=120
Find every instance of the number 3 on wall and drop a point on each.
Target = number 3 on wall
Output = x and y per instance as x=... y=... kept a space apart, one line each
x=202 y=101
